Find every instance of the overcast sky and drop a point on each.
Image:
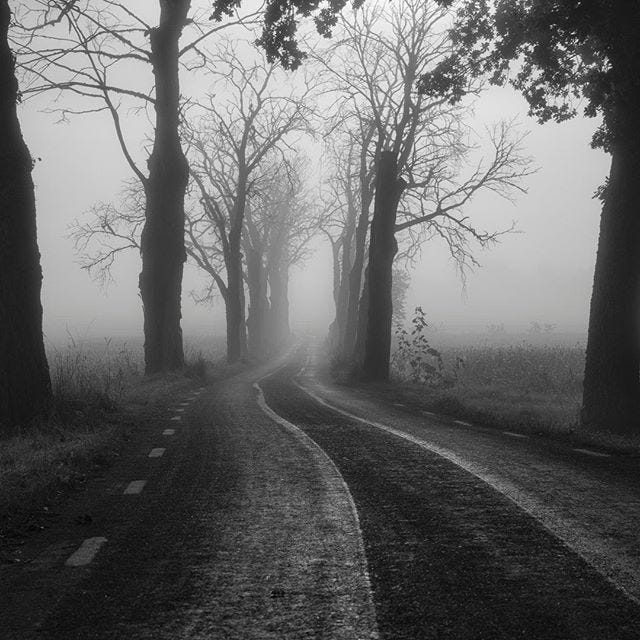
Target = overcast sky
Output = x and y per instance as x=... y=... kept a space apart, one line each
x=543 y=273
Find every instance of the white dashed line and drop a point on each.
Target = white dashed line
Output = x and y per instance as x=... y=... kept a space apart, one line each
x=86 y=552
x=514 y=435
x=157 y=453
x=185 y=404
x=429 y=413
x=134 y=487
x=178 y=410
x=176 y=418
x=595 y=454
x=463 y=423
x=399 y=404
x=168 y=432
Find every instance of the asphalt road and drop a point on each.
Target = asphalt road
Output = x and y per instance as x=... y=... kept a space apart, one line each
x=264 y=513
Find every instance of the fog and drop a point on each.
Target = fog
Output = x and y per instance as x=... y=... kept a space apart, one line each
x=543 y=273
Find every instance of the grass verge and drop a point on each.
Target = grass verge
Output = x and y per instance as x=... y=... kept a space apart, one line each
x=501 y=409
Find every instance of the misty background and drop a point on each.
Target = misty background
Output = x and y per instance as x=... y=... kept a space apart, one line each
x=543 y=273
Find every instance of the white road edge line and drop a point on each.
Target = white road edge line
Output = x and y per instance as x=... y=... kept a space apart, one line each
x=595 y=454
x=134 y=487
x=168 y=432
x=312 y=444
x=86 y=552
x=158 y=452
x=522 y=500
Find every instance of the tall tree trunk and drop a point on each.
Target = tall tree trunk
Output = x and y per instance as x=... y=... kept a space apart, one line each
x=357 y=356
x=279 y=298
x=258 y=303
x=345 y=265
x=335 y=331
x=25 y=387
x=162 y=242
x=611 y=400
x=236 y=336
x=382 y=250
x=355 y=276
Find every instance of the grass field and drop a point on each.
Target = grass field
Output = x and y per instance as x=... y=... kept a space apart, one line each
x=524 y=382
x=530 y=383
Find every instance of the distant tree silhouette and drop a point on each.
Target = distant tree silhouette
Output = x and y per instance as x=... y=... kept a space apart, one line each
x=88 y=49
x=348 y=195
x=279 y=225
x=25 y=387
x=231 y=143
x=561 y=51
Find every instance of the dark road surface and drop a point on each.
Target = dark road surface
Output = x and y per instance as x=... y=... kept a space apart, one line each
x=244 y=528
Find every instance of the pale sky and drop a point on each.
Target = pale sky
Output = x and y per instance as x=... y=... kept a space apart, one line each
x=542 y=274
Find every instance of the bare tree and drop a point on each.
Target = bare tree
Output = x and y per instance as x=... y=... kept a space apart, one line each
x=230 y=143
x=278 y=233
x=342 y=206
x=25 y=387
x=99 y=51
x=424 y=165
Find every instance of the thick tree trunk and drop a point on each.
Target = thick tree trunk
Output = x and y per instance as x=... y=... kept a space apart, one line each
x=611 y=400
x=162 y=242
x=382 y=250
x=25 y=388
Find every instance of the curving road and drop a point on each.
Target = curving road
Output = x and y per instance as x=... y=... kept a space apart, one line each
x=273 y=505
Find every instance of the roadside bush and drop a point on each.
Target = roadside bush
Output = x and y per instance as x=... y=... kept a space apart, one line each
x=414 y=359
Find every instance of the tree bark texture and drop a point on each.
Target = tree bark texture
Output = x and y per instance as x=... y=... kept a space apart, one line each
x=25 y=387
x=162 y=242
x=382 y=250
x=611 y=400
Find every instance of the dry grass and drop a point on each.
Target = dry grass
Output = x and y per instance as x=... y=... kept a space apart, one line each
x=533 y=387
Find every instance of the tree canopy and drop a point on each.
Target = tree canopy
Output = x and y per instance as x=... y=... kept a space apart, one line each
x=557 y=53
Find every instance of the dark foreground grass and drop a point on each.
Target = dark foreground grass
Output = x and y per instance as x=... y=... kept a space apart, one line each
x=97 y=403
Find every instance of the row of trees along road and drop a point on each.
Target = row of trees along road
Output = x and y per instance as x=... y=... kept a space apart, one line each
x=409 y=157
x=247 y=216
x=406 y=154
